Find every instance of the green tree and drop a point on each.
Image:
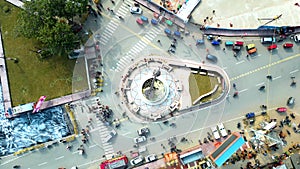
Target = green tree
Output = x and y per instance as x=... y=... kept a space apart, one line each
x=50 y=21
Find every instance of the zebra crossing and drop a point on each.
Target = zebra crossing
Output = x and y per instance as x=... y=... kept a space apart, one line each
x=107 y=146
x=115 y=22
x=138 y=47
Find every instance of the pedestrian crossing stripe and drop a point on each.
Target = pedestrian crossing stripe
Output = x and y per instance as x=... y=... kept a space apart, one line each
x=148 y=40
x=116 y=19
x=111 y=26
x=105 y=36
x=139 y=47
x=134 y=51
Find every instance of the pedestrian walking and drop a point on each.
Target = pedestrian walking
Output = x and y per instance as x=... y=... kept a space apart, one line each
x=108 y=9
x=224 y=49
x=101 y=5
x=158 y=41
x=112 y=11
x=113 y=2
x=213 y=11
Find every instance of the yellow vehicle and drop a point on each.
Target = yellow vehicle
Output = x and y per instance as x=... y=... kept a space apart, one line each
x=251 y=48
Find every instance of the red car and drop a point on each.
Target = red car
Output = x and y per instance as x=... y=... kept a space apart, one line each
x=271 y=47
x=281 y=109
x=239 y=43
x=288 y=45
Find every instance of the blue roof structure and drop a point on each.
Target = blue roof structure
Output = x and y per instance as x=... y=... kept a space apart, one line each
x=220 y=160
x=191 y=156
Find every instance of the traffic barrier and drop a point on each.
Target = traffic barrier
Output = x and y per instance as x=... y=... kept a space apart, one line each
x=70 y=138
x=29 y=149
x=72 y=117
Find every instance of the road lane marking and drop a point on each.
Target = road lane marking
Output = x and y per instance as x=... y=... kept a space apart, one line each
x=59 y=157
x=265 y=67
x=126 y=133
x=278 y=77
x=91 y=162
x=92 y=146
x=259 y=84
x=243 y=90
x=294 y=71
x=240 y=62
x=42 y=163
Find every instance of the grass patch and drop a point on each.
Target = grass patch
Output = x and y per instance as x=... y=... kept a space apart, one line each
x=32 y=77
x=200 y=84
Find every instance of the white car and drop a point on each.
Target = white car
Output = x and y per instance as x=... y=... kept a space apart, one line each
x=297 y=38
x=222 y=130
x=215 y=132
x=109 y=136
x=139 y=139
x=150 y=158
x=174 y=106
x=137 y=160
x=135 y=10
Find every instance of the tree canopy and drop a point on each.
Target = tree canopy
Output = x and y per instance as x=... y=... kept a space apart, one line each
x=50 y=22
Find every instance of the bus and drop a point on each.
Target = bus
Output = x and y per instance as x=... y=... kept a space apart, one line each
x=115 y=163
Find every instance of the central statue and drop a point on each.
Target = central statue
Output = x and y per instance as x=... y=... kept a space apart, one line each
x=153 y=89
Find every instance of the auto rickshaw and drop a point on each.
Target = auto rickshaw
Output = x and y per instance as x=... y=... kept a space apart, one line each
x=177 y=33
x=154 y=21
x=144 y=18
x=139 y=21
x=168 y=22
x=199 y=41
x=168 y=31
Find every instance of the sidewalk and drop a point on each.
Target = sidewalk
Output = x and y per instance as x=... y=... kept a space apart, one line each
x=168 y=16
x=4 y=79
x=16 y=3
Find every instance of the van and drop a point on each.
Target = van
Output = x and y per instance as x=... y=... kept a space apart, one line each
x=222 y=130
x=215 y=132
x=268 y=40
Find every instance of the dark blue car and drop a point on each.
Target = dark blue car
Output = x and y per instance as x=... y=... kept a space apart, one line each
x=250 y=115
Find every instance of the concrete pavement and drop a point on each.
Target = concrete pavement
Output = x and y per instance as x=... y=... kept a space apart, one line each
x=245 y=15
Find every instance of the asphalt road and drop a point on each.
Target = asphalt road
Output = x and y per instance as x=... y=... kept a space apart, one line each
x=248 y=74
